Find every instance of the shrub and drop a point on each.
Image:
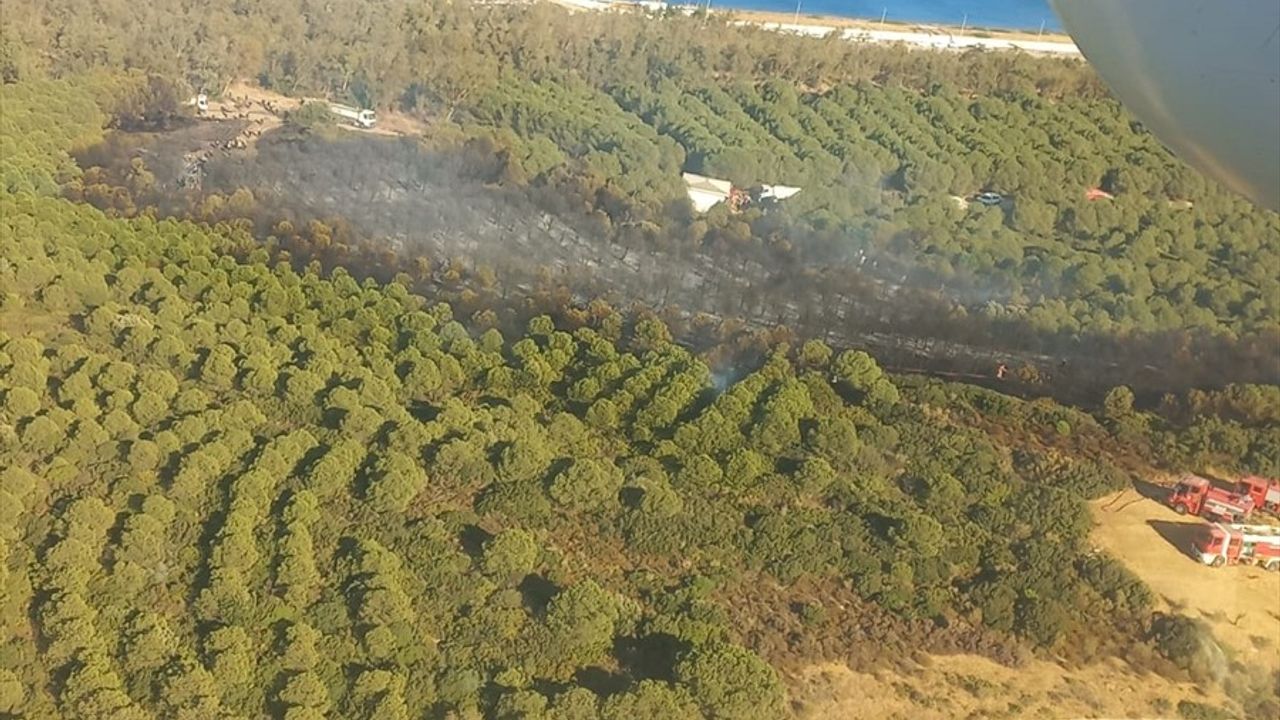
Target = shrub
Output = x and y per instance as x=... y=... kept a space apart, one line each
x=1117 y=584
x=509 y=554
x=732 y=683
x=1190 y=645
x=311 y=116
x=1191 y=710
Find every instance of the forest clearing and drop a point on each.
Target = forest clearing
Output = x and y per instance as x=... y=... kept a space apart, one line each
x=268 y=109
x=1240 y=603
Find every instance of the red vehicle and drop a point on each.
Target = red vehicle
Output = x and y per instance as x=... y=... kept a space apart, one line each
x=1264 y=493
x=1220 y=544
x=1197 y=496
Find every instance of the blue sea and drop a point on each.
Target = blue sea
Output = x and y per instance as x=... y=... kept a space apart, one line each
x=1007 y=14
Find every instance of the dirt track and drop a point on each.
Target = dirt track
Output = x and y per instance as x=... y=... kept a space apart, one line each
x=265 y=108
x=1241 y=604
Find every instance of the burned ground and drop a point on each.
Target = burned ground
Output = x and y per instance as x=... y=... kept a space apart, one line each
x=406 y=197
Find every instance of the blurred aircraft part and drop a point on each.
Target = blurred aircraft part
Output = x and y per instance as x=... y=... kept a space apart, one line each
x=1203 y=75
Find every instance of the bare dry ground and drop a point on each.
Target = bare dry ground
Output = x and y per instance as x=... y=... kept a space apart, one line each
x=1241 y=604
x=765 y=16
x=966 y=686
x=253 y=101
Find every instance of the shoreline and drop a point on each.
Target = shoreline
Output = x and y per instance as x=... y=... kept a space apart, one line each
x=923 y=35
x=843 y=22
x=927 y=37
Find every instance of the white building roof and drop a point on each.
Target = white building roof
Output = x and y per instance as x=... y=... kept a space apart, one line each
x=707 y=184
x=778 y=192
x=704 y=192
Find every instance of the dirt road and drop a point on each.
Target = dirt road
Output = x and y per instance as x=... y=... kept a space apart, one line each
x=266 y=109
x=1241 y=604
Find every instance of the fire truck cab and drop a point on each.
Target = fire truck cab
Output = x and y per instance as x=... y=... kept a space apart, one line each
x=1197 y=496
x=1264 y=493
x=1222 y=544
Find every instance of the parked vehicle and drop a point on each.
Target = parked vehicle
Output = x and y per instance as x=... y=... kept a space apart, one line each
x=200 y=103
x=1195 y=495
x=361 y=117
x=1222 y=544
x=1264 y=492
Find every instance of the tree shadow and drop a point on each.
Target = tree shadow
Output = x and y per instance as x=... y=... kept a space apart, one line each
x=601 y=681
x=276 y=708
x=554 y=470
x=631 y=496
x=649 y=657
x=493 y=401
x=204 y=572
x=1178 y=534
x=1150 y=490
x=537 y=592
x=333 y=417
x=423 y=411
x=312 y=456
x=473 y=538
x=363 y=479
x=1219 y=481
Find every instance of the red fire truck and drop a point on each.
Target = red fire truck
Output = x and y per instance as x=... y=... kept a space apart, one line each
x=1265 y=493
x=1197 y=496
x=1222 y=544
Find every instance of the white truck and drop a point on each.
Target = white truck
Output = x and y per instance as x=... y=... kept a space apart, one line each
x=360 y=117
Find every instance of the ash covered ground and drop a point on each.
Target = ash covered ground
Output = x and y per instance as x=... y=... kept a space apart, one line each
x=403 y=197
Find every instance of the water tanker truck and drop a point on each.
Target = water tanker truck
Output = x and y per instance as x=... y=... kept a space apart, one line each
x=360 y=117
x=1194 y=495
x=1222 y=544
x=1265 y=492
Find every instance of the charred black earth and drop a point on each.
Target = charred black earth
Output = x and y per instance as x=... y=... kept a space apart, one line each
x=406 y=197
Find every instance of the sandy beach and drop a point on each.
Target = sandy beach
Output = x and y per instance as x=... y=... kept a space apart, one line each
x=933 y=37
x=936 y=37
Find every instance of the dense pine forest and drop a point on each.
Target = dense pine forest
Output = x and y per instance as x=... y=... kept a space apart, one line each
x=236 y=481
x=609 y=109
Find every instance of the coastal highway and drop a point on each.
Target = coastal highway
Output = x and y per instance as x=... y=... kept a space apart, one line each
x=924 y=36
